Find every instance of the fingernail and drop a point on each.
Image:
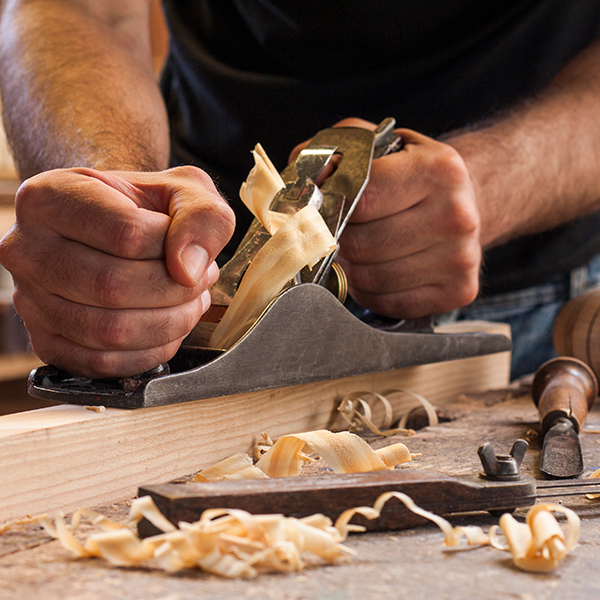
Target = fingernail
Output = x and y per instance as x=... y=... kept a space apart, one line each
x=213 y=273
x=205 y=298
x=195 y=260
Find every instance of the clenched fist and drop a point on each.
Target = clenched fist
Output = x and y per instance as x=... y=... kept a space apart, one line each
x=111 y=269
x=412 y=245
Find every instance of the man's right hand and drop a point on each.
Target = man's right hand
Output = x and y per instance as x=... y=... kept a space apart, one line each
x=112 y=269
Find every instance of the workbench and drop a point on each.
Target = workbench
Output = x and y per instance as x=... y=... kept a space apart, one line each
x=400 y=564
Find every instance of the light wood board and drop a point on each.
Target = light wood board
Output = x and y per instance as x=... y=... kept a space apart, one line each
x=66 y=457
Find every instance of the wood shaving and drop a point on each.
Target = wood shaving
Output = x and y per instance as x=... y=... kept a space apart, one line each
x=357 y=420
x=344 y=452
x=594 y=475
x=234 y=543
x=303 y=240
x=297 y=240
x=539 y=544
x=260 y=188
x=226 y=542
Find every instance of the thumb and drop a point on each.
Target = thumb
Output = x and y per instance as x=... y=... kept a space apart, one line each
x=202 y=223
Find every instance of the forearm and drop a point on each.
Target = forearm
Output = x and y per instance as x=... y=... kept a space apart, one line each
x=78 y=87
x=538 y=167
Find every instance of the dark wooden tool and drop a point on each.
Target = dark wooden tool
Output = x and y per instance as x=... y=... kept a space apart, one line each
x=499 y=488
x=564 y=390
x=332 y=494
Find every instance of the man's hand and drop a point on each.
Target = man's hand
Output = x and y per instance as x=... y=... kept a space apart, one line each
x=111 y=269
x=411 y=247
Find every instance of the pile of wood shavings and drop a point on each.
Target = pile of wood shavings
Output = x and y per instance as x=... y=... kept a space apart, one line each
x=234 y=543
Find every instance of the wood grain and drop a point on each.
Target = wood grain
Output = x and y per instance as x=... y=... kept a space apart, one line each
x=67 y=457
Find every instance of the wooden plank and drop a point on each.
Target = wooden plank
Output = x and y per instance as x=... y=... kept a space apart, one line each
x=67 y=457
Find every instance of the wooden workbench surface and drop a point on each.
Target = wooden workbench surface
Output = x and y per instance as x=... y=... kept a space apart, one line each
x=409 y=564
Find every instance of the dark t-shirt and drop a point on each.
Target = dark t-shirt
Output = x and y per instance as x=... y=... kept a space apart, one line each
x=275 y=72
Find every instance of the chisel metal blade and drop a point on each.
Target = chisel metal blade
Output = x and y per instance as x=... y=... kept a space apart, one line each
x=564 y=390
x=561 y=452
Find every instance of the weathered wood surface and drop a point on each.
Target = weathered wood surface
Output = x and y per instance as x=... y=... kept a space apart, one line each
x=67 y=457
x=410 y=564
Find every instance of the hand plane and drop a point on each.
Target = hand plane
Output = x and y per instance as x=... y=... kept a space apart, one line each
x=305 y=334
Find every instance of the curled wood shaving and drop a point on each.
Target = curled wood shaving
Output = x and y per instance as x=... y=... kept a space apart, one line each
x=350 y=407
x=303 y=240
x=344 y=452
x=594 y=475
x=234 y=543
x=539 y=544
x=297 y=240
x=226 y=542
x=260 y=188
x=452 y=535
x=238 y=466
x=263 y=446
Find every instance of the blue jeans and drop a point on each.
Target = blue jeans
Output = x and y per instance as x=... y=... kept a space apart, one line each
x=531 y=313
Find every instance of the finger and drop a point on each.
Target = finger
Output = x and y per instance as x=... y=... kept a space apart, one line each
x=84 y=275
x=438 y=264
x=436 y=280
x=401 y=180
x=412 y=303
x=387 y=239
x=97 y=209
x=106 y=329
x=202 y=223
x=440 y=218
x=64 y=354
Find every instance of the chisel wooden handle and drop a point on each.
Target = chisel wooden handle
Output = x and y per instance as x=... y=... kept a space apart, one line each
x=564 y=387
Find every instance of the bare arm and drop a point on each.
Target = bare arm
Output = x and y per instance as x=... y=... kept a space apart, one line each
x=414 y=242
x=78 y=87
x=539 y=166
x=111 y=266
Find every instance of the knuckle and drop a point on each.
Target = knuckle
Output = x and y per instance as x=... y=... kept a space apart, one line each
x=466 y=217
x=22 y=304
x=466 y=259
x=191 y=172
x=113 y=330
x=225 y=218
x=9 y=250
x=447 y=166
x=109 y=288
x=102 y=364
x=30 y=190
x=41 y=189
x=129 y=238
x=462 y=292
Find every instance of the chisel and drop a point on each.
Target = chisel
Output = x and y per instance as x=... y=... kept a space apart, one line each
x=564 y=390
